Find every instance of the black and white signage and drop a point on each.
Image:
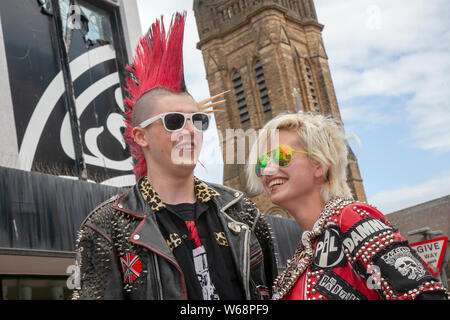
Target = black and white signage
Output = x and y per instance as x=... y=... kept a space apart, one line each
x=41 y=99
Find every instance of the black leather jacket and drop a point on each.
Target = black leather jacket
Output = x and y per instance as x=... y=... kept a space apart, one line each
x=122 y=254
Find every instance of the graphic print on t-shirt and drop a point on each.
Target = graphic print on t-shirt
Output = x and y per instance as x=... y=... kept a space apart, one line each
x=201 y=264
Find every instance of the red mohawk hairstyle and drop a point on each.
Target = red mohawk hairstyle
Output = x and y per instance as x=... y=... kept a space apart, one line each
x=158 y=62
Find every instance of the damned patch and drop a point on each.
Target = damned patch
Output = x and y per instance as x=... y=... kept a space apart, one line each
x=334 y=287
x=329 y=252
x=363 y=231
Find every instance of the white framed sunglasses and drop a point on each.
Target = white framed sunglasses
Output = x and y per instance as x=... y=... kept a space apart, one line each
x=175 y=121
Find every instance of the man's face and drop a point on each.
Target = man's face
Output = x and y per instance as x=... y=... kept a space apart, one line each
x=174 y=151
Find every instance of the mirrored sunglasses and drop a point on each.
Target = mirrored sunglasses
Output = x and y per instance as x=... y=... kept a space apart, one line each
x=282 y=156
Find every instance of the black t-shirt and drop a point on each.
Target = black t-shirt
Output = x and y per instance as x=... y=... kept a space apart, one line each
x=195 y=235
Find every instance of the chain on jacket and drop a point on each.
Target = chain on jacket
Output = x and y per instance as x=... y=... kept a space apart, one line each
x=354 y=253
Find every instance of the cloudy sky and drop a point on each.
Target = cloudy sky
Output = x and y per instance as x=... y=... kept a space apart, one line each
x=390 y=64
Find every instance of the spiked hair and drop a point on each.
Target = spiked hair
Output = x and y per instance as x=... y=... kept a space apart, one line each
x=158 y=63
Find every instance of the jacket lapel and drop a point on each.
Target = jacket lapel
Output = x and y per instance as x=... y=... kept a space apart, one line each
x=147 y=233
x=237 y=234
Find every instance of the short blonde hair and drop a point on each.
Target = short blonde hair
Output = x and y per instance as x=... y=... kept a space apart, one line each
x=322 y=137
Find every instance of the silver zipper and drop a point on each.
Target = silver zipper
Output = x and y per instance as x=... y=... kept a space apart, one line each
x=246 y=261
x=158 y=277
x=246 y=244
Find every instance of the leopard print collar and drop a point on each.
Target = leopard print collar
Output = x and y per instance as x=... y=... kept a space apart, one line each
x=202 y=191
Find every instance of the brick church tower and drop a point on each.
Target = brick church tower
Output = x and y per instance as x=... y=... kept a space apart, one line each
x=261 y=50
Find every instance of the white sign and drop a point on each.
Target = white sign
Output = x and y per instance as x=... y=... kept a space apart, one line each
x=432 y=252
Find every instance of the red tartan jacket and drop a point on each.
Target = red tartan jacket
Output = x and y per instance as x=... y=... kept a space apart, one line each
x=360 y=256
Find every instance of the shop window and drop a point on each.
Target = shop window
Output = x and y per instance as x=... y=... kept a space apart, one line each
x=34 y=288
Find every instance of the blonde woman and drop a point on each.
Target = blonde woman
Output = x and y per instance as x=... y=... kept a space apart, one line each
x=348 y=249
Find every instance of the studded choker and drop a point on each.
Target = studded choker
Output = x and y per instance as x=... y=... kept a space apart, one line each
x=303 y=255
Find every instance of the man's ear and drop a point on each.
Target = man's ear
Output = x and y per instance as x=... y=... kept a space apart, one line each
x=139 y=137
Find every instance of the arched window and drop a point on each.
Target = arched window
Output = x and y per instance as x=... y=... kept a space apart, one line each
x=311 y=88
x=261 y=82
x=239 y=94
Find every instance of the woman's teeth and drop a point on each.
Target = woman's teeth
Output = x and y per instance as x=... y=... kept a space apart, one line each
x=276 y=182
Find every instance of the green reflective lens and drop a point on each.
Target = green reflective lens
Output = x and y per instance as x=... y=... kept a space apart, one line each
x=282 y=156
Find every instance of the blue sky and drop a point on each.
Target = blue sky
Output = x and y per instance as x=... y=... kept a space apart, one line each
x=390 y=64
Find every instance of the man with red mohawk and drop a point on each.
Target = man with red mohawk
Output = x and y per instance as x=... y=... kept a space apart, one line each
x=171 y=236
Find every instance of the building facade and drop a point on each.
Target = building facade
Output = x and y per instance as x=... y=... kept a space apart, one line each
x=61 y=110
x=62 y=63
x=263 y=50
x=435 y=215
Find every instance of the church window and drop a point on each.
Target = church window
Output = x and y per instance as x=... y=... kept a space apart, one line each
x=312 y=89
x=239 y=95
x=261 y=83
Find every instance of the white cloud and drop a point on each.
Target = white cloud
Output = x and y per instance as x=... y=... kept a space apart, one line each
x=384 y=48
x=392 y=49
x=368 y=115
x=388 y=201
x=350 y=33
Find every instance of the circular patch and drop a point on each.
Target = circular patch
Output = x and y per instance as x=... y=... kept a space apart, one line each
x=328 y=252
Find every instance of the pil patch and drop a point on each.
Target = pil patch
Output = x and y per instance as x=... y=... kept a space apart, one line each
x=334 y=287
x=363 y=231
x=329 y=252
x=402 y=265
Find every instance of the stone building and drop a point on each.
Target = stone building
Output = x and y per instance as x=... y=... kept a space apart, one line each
x=434 y=214
x=261 y=50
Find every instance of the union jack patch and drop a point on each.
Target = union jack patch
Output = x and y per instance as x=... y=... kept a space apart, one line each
x=131 y=267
